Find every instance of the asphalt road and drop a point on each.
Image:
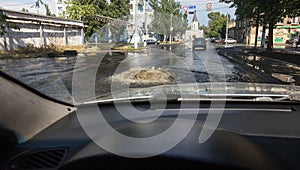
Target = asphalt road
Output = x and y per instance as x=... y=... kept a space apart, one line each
x=53 y=76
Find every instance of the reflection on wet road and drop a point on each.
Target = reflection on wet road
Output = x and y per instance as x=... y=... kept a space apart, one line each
x=53 y=76
x=284 y=71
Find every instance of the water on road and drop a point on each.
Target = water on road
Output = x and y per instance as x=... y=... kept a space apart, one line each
x=53 y=76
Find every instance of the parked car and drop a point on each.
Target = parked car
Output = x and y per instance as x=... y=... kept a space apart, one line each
x=152 y=41
x=292 y=41
x=230 y=41
x=215 y=40
x=199 y=44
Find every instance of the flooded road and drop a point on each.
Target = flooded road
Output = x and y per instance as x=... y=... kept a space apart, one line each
x=53 y=76
x=282 y=71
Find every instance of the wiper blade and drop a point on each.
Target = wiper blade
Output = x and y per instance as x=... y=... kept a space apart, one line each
x=239 y=97
x=117 y=99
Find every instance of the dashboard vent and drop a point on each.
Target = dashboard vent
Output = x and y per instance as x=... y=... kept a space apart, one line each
x=41 y=159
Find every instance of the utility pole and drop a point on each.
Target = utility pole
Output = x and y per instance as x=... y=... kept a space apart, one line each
x=108 y=25
x=145 y=23
x=135 y=25
x=171 y=28
x=226 y=36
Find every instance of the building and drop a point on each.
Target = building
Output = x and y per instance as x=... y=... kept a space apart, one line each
x=142 y=20
x=194 y=32
x=284 y=31
x=61 y=7
x=231 y=29
x=39 y=30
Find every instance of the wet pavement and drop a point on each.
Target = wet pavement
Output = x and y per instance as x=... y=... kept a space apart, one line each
x=278 y=68
x=53 y=76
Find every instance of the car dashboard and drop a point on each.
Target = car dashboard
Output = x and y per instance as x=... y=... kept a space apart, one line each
x=250 y=136
x=38 y=132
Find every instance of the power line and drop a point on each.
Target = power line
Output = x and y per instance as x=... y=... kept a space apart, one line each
x=18 y=4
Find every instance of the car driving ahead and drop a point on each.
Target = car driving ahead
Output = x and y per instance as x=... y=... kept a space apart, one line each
x=199 y=44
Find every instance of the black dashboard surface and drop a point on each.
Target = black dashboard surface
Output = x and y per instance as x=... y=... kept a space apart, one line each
x=250 y=136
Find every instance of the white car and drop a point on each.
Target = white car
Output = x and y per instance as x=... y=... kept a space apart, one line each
x=230 y=41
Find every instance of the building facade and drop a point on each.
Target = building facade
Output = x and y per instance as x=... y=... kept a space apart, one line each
x=39 y=30
x=142 y=18
x=283 y=32
x=194 y=32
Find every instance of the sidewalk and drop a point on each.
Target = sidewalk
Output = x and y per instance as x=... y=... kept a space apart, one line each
x=286 y=53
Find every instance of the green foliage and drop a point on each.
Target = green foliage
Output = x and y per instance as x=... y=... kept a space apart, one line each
x=205 y=30
x=86 y=10
x=24 y=10
x=48 y=11
x=122 y=13
x=267 y=12
x=217 y=24
x=164 y=11
x=5 y=25
x=38 y=4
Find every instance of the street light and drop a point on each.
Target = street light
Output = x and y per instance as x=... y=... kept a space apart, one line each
x=171 y=28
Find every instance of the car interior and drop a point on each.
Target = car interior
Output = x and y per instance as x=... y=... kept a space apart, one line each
x=251 y=135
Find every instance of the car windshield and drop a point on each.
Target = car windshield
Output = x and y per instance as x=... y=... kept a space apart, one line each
x=79 y=50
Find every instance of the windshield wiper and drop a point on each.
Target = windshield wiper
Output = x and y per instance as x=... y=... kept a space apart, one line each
x=117 y=99
x=240 y=97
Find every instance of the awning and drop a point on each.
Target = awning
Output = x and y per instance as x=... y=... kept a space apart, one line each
x=288 y=26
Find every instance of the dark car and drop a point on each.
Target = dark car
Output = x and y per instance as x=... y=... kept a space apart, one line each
x=199 y=44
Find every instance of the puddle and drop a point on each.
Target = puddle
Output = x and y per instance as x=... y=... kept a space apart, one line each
x=283 y=71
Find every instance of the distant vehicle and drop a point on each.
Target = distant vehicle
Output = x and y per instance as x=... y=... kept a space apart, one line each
x=230 y=41
x=292 y=41
x=216 y=40
x=152 y=41
x=199 y=44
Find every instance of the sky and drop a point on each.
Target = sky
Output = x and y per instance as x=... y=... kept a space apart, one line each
x=223 y=8
x=17 y=5
x=200 y=7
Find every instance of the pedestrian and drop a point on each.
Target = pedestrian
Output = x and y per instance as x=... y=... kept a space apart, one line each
x=298 y=42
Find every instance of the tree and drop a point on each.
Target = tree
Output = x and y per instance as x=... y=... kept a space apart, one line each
x=86 y=10
x=250 y=10
x=267 y=12
x=5 y=26
x=37 y=5
x=122 y=13
x=3 y=23
x=275 y=11
x=24 y=10
x=164 y=9
x=48 y=11
x=205 y=30
x=217 y=24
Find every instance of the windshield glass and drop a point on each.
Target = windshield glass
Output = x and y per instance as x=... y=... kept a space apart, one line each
x=101 y=49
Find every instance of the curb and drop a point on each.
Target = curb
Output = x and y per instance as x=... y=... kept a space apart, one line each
x=247 y=68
